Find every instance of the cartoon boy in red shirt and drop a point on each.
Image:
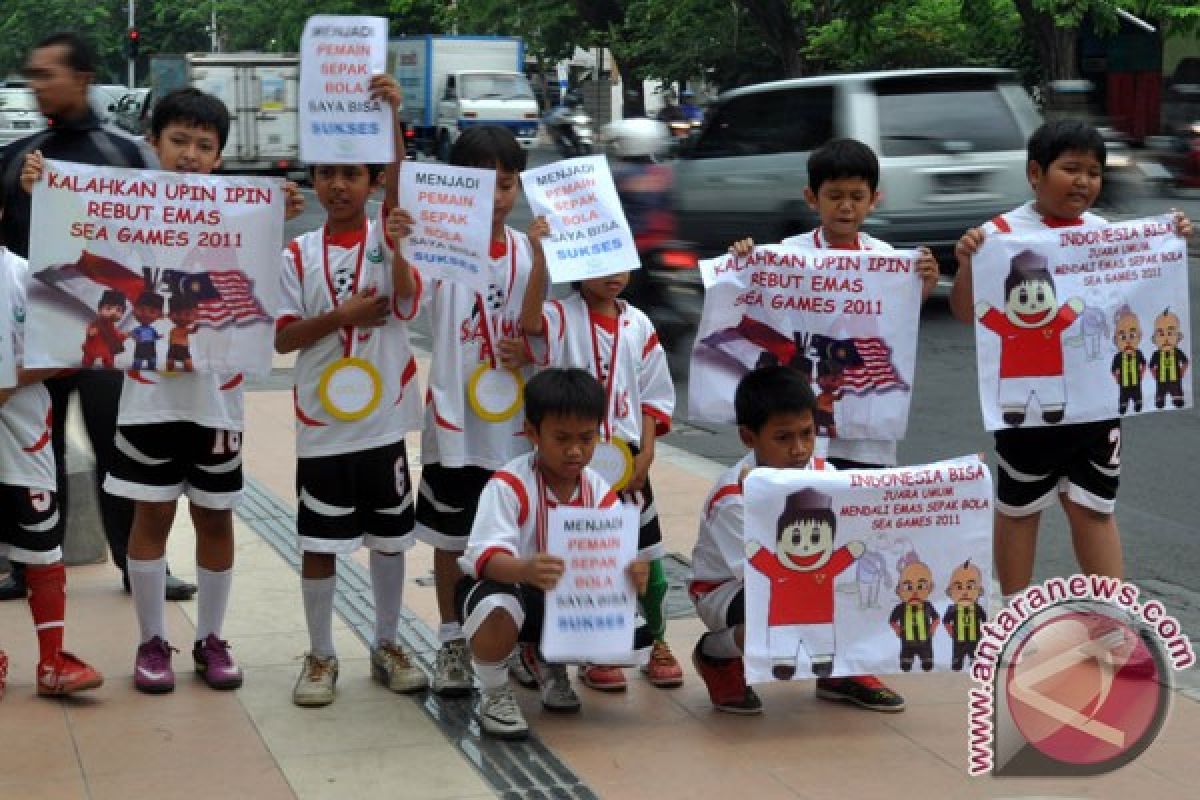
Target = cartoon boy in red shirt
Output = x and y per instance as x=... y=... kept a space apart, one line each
x=103 y=341
x=802 y=572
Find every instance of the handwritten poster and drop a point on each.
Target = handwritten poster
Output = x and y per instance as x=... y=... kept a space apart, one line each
x=156 y=271
x=846 y=320
x=1082 y=324
x=866 y=571
x=10 y=308
x=453 y=210
x=339 y=122
x=589 y=235
x=591 y=614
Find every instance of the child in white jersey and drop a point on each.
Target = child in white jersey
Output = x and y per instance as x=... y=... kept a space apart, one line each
x=347 y=298
x=29 y=533
x=593 y=329
x=774 y=408
x=463 y=441
x=500 y=601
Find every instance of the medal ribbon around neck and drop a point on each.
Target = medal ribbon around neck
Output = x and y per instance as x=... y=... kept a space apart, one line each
x=623 y=455
x=489 y=369
x=542 y=521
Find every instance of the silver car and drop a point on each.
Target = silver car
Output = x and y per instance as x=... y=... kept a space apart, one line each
x=951 y=147
x=19 y=115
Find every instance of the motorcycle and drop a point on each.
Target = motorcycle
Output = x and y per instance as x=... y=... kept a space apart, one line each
x=570 y=127
x=669 y=290
x=1178 y=158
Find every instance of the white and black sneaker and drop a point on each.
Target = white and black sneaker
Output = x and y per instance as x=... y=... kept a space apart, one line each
x=522 y=665
x=499 y=714
x=557 y=692
x=453 y=674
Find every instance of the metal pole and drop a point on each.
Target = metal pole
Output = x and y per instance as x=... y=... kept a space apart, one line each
x=215 y=45
x=131 y=24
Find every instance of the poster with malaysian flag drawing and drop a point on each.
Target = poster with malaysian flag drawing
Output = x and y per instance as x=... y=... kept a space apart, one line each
x=149 y=270
x=846 y=319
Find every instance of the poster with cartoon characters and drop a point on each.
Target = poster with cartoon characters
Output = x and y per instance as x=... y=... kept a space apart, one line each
x=10 y=308
x=847 y=320
x=866 y=571
x=149 y=270
x=1083 y=323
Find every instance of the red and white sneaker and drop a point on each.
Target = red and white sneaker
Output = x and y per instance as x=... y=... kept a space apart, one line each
x=725 y=679
x=603 y=678
x=66 y=674
x=3 y=672
x=663 y=670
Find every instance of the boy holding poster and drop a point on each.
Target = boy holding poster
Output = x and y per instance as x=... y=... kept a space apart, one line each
x=501 y=599
x=347 y=298
x=775 y=414
x=592 y=329
x=843 y=188
x=28 y=497
x=472 y=415
x=1079 y=463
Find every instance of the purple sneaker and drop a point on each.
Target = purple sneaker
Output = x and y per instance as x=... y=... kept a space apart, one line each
x=152 y=671
x=215 y=663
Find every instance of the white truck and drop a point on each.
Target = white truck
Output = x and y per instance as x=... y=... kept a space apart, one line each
x=259 y=89
x=453 y=82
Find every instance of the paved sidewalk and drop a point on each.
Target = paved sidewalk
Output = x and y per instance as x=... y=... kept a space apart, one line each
x=662 y=744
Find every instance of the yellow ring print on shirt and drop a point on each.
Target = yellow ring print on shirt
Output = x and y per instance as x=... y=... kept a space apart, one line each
x=495 y=394
x=350 y=389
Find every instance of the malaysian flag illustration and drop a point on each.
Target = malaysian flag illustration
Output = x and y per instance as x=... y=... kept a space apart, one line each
x=865 y=362
x=223 y=297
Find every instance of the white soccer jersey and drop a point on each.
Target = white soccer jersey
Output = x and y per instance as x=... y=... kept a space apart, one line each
x=512 y=512
x=640 y=383
x=868 y=451
x=1025 y=219
x=205 y=398
x=26 y=457
x=466 y=327
x=719 y=554
x=318 y=273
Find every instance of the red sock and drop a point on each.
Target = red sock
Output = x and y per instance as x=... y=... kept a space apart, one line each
x=48 y=604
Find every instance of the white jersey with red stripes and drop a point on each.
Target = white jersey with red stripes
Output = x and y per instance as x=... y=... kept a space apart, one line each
x=719 y=554
x=466 y=326
x=513 y=509
x=26 y=457
x=319 y=272
x=205 y=398
x=1026 y=219
x=639 y=384
x=867 y=451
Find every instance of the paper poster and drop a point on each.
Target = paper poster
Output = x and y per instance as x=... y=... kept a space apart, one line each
x=155 y=271
x=339 y=122
x=9 y=309
x=589 y=235
x=592 y=613
x=453 y=210
x=1082 y=324
x=866 y=572
x=846 y=320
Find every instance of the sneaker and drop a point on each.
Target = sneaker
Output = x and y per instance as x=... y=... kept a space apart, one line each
x=663 y=670
x=392 y=667
x=862 y=690
x=152 y=671
x=557 y=692
x=215 y=663
x=314 y=687
x=603 y=678
x=66 y=674
x=499 y=714
x=522 y=665
x=3 y=672
x=453 y=674
x=725 y=679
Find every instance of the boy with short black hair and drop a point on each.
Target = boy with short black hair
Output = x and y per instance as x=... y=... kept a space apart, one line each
x=1079 y=463
x=774 y=407
x=500 y=600
x=347 y=299
x=462 y=442
x=29 y=533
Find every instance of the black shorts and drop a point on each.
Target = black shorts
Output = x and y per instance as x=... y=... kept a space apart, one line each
x=650 y=540
x=179 y=352
x=159 y=461
x=352 y=500
x=29 y=529
x=1034 y=464
x=449 y=497
x=474 y=600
